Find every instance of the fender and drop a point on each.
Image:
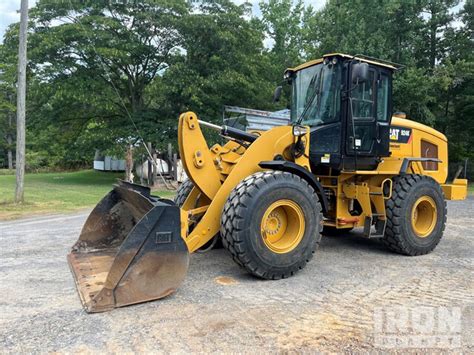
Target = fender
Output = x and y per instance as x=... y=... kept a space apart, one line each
x=290 y=167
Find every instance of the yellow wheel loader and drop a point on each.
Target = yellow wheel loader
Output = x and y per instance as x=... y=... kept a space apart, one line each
x=344 y=161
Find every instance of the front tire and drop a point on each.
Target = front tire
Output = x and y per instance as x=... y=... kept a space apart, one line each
x=271 y=224
x=416 y=215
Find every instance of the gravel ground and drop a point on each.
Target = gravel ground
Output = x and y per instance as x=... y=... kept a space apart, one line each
x=353 y=296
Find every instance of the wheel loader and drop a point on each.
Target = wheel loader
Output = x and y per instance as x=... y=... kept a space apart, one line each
x=343 y=162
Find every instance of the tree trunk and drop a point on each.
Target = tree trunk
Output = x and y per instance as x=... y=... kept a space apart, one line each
x=433 y=46
x=21 y=100
x=433 y=29
x=151 y=166
x=129 y=164
x=9 y=152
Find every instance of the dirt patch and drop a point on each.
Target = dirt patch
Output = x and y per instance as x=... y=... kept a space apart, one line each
x=225 y=280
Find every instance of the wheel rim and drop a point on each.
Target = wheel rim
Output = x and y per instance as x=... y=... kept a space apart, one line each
x=424 y=216
x=282 y=226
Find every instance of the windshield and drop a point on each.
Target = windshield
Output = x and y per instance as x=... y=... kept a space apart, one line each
x=316 y=94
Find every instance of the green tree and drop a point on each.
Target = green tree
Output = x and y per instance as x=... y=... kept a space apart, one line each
x=283 y=22
x=402 y=27
x=7 y=109
x=103 y=74
x=348 y=27
x=435 y=86
x=222 y=63
x=92 y=70
x=434 y=45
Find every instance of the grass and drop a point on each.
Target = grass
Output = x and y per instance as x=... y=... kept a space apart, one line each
x=62 y=192
x=57 y=192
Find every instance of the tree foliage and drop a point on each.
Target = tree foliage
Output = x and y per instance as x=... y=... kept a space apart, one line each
x=105 y=74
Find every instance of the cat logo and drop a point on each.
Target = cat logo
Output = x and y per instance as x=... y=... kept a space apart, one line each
x=400 y=134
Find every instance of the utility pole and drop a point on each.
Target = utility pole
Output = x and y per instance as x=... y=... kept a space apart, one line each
x=9 y=135
x=20 y=105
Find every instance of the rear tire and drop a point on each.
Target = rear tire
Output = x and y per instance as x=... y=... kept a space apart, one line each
x=271 y=224
x=416 y=215
x=183 y=191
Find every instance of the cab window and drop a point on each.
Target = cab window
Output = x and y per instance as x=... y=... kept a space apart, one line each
x=382 y=98
x=363 y=99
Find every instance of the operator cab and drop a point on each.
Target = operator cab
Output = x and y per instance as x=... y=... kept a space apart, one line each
x=347 y=103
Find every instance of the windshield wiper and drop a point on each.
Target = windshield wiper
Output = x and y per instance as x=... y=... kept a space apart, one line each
x=308 y=106
x=315 y=95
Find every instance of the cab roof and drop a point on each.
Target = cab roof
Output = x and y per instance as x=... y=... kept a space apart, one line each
x=362 y=58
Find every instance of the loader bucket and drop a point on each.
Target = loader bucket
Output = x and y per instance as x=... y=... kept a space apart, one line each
x=130 y=250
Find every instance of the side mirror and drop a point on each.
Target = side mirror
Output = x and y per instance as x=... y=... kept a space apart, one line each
x=360 y=73
x=277 y=94
x=299 y=130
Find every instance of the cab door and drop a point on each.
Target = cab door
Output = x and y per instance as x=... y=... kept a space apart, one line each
x=383 y=112
x=361 y=125
x=370 y=110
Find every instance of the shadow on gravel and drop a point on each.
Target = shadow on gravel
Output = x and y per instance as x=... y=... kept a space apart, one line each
x=353 y=241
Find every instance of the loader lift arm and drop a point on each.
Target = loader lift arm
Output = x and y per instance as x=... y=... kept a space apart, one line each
x=202 y=166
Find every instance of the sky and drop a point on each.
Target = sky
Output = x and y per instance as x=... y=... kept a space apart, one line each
x=9 y=14
x=9 y=10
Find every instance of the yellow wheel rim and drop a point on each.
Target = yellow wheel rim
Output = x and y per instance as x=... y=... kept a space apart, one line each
x=424 y=216
x=282 y=226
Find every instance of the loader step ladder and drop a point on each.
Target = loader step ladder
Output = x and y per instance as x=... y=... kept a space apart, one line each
x=379 y=230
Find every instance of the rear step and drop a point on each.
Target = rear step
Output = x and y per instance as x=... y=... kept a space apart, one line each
x=380 y=225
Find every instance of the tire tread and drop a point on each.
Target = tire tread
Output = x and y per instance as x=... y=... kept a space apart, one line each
x=233 y=223
x=395 y=208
